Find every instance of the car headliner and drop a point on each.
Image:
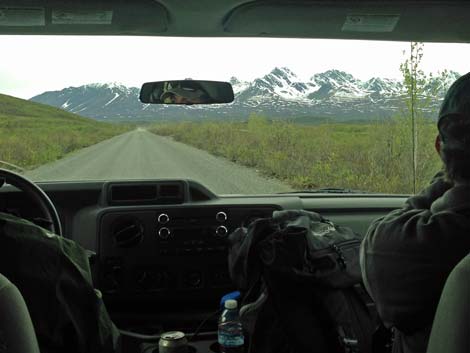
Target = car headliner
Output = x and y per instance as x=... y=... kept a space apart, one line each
x=428 y=21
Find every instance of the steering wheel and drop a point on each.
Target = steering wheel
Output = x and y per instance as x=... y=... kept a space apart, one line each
x=40 y=198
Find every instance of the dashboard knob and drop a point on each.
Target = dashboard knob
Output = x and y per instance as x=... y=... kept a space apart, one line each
x=193 y=279
x=221 y=231
x=163 y=218
x=221 y=217
x=143 y=279
x=164 y=233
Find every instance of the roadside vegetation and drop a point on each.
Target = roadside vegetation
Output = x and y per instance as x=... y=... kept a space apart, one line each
x=32 y=134
x=370 y=157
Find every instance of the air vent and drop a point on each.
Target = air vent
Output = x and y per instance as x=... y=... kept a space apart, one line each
x=146 y=193
x=170 y=191
x=133 y=192
x=127 y=232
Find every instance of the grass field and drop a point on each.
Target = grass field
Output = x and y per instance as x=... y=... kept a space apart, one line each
x=32 y=134
x=374 y=157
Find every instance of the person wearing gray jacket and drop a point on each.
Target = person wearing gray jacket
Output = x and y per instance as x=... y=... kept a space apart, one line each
x=407 y=255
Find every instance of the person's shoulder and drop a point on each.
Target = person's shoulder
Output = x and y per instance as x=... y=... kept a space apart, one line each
x=5 y=284
x=7 y=218
x=455 y=199
x=461 y=272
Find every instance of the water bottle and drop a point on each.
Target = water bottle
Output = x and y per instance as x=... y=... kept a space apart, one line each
x=230 y=333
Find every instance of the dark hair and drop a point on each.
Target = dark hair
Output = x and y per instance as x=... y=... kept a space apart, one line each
x=454 y=132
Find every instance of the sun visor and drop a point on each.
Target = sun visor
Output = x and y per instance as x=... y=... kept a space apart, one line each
x=143 y=17
x=342 y=20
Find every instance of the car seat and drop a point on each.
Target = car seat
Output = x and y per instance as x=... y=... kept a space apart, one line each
x=451 y=328
x=16 y=328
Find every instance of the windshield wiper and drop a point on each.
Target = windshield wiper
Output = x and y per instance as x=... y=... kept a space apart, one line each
x=327 y=191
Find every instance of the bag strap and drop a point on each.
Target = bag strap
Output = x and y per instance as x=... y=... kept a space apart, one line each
x=366 y=299
x=382 y=340
x=348 y=340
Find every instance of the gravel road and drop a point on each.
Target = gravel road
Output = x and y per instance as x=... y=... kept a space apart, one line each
x=140 y=154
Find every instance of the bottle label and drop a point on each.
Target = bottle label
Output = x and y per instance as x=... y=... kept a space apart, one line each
x=228 y=340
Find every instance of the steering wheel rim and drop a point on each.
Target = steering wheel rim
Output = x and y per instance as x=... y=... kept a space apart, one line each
x=40 y=198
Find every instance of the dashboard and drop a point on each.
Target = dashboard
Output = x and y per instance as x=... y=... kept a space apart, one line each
x=159 y=246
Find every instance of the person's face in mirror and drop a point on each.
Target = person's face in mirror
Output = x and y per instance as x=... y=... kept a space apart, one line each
x=184 y=100
x=177 y=99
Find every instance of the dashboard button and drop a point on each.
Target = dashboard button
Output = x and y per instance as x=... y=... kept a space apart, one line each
x=164 y=233
x=163 y=218
x=221 y=217
x=221 y=231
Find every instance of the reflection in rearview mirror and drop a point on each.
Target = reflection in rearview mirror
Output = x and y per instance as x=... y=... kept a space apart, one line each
x=186 y=92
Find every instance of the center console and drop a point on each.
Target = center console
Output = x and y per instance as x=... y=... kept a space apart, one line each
x=164 y=254
x=161 y=256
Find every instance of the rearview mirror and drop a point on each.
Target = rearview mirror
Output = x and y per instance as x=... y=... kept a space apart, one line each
x=186 y=92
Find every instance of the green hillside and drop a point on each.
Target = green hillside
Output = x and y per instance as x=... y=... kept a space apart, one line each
x=32 y=134
x=16 y=107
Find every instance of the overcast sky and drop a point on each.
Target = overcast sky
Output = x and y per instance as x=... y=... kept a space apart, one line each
x=30 y=65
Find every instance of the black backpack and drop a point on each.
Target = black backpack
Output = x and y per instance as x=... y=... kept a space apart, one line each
x=302 y=289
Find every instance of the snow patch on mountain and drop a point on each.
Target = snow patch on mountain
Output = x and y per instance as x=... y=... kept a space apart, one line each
x=237 y=85
x=112 y=99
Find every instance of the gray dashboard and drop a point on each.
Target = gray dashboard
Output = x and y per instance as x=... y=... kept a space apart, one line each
x=159 y=242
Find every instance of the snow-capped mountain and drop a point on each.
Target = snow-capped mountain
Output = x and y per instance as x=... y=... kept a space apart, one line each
x=383 y=87
x=237 y=85
x=279 y=94
x=95 y=100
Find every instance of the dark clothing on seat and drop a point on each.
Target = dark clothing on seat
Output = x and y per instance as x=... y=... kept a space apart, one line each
x=54 y=277
x=16 y=329
x=407 y=255
x=451 y=328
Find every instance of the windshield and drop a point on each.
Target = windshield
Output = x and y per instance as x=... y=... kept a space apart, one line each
x=308 y=114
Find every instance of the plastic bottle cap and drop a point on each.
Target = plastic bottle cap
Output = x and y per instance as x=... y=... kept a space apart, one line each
x=231 y=304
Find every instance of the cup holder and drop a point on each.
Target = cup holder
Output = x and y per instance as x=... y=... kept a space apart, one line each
x=190 y=349
x=203 y=346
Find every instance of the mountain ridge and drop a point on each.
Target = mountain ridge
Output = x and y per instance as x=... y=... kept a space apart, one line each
x=278 y=94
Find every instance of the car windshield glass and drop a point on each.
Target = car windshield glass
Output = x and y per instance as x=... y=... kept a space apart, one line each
x=309 y=114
